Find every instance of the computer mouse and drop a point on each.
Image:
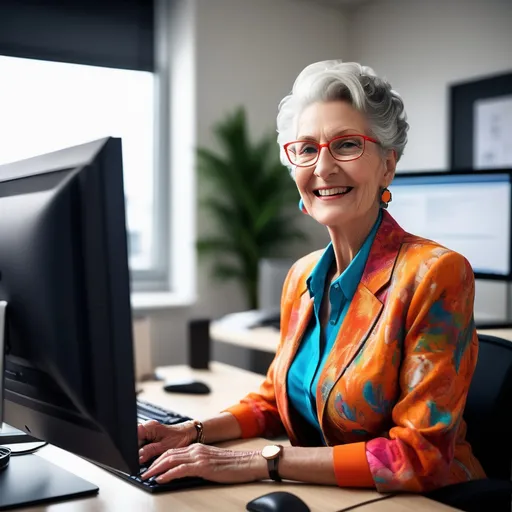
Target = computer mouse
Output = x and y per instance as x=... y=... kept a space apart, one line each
x=191 y=387
x=278 y=501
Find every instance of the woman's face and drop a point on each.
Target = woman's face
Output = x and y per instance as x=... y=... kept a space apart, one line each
x=360 y=180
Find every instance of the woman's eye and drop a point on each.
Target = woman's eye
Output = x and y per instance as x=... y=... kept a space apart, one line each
x=307 y=149
x=346 y=144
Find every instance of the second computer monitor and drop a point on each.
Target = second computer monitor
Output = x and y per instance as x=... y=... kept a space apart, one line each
x=468 y=212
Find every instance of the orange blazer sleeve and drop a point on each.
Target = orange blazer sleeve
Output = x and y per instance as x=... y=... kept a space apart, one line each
x=257 y=413
x=439 y=358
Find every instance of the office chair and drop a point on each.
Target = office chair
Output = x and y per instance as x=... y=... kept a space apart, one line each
x=488 y=415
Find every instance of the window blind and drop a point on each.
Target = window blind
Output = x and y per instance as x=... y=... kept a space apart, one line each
x=110 y=33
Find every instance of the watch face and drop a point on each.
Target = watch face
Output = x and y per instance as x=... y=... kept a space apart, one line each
x=271 y=451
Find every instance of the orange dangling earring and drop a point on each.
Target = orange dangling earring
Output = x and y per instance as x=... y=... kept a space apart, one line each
x=385 y=198
x=302 y=208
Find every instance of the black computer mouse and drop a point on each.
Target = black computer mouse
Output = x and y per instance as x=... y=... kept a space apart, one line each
x=191 y=387
x=279 y=501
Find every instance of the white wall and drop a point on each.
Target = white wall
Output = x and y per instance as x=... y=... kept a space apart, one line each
x=421 y=47
x=247 y=52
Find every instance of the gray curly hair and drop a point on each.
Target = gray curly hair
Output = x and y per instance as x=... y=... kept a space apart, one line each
x=333 y=80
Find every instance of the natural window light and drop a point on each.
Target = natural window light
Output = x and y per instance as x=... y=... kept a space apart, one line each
x=46 y=106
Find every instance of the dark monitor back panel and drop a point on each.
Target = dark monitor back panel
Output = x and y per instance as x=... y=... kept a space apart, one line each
x=40 y=255
x=64 y=273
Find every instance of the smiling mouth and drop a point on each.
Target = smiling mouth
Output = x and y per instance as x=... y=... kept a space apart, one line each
x=331 y=192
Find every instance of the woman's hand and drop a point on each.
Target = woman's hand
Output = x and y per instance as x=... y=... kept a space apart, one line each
x=155 y=438
x=208 y=462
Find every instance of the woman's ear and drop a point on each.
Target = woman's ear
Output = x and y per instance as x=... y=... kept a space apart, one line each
x=390 y=163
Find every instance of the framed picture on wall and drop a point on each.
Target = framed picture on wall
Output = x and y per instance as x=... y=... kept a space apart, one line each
x=481 y=123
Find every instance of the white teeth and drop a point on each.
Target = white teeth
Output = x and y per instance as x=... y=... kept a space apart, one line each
x=332 y=191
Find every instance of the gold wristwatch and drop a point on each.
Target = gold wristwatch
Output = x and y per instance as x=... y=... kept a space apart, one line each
x=272 y=453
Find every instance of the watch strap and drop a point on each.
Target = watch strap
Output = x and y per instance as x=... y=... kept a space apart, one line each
x=273 y=469
x=273 y=465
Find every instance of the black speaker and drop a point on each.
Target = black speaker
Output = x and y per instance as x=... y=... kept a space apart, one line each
x=199 y=344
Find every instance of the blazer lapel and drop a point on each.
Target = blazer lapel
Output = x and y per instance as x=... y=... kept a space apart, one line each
x=301 y=315
x=364 y=309
x=383 y=254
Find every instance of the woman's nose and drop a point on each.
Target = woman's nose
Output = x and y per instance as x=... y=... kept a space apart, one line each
x=326 y=164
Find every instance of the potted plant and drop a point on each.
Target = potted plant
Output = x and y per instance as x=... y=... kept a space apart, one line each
x=250 y=197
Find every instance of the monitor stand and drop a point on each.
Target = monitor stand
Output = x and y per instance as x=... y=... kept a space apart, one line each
x=30 y=479
x=11 y=435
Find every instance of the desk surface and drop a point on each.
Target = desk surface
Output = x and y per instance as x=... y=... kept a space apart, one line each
x=228 y=386
x=259 y=338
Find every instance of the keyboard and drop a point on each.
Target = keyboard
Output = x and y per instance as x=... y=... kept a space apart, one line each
x=148 y=411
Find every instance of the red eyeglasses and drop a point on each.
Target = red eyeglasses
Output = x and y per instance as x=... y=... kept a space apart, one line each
x=304 y=153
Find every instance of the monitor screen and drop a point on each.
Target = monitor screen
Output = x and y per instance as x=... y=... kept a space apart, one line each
x=467 y=212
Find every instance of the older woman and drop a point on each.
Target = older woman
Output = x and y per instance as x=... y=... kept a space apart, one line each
x=378 y=344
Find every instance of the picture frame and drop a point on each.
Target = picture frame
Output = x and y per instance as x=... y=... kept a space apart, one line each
x=473 y=142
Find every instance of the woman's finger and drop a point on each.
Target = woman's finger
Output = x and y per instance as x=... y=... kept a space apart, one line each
x=151 y=451
x=147 y=432
x=166 y=463
x=141 y=434
x=167 y=453
x=181 y=471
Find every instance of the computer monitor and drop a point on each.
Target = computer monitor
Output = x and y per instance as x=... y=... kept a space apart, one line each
x=69 y=366
x=469 y=212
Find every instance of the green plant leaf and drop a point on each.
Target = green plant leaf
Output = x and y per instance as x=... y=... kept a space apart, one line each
x=250 y=193
x=215 y=245
x=225 y=272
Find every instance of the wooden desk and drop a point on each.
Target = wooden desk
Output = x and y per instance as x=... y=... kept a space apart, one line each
x=259 y=338
x=228 y=386
x=251 y=349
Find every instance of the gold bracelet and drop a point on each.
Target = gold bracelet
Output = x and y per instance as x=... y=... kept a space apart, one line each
x=200 y=431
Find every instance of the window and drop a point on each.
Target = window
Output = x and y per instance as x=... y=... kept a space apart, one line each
x=47 y=106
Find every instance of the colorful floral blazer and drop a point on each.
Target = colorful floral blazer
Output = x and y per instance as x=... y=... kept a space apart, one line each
x=391 y=395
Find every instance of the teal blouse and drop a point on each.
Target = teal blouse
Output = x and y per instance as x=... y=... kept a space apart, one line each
x=305 y=370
